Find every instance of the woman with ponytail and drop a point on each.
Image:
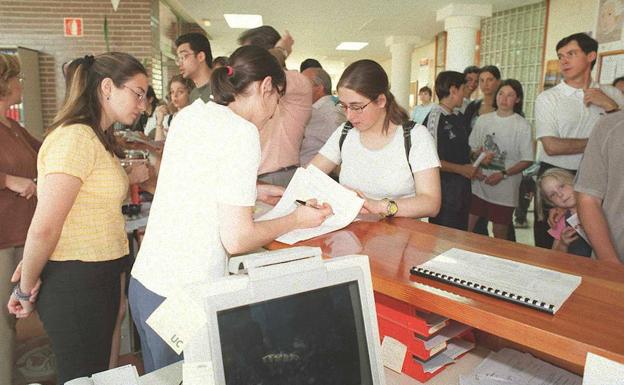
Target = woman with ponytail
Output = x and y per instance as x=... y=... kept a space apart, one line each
x=76 y=243
x=203 y=205
x=388 y=160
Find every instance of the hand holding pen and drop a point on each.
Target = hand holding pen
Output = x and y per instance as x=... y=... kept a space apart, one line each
x=310 y=214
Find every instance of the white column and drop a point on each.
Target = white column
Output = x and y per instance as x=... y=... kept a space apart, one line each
x=461 y=23
x=401 y=48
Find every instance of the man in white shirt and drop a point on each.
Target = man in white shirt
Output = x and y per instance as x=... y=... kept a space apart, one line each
x=566 y=114
x=325 y=118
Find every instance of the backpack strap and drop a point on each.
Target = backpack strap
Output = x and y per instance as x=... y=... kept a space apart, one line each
x=343 y=135
x=407 y=140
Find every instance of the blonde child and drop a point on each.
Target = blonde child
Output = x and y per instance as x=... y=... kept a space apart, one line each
x=557 y=188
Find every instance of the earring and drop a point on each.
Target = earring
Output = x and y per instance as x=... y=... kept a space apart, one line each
x=108 y=97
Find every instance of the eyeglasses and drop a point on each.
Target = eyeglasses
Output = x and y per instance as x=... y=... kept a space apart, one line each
x=140 y=96
x=357 y=109
x=182 y=57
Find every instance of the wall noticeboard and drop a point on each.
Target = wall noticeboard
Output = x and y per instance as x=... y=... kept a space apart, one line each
x=610 y=66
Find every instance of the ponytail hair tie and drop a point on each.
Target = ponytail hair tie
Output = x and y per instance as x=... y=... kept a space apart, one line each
x=89 y=60
x=230 y=70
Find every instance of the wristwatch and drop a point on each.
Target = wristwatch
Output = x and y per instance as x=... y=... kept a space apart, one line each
x=505 y=175
x=17 y=292
x=391 y=208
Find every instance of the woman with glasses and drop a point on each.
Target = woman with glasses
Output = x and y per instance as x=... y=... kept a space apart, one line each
x=179 y=95
x=395 y=178
x=77 y=242
x=18 y=170
x=203 y=206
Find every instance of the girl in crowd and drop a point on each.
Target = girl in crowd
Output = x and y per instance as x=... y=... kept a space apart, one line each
x=147 y=121
x=422 y=110
x=203 y=206
x=489 y=80
x=179 y=92
x=18 y=170
x=76 y=243
x=506 y=137
x=395 y=178
x=557 y=188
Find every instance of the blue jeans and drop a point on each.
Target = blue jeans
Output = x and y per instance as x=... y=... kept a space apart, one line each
x=156 y=353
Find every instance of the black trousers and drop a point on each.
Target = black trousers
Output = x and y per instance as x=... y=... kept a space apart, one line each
x=456 y=193
x=78 y=304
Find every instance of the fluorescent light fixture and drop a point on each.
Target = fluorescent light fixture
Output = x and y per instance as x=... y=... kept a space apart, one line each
x=243 y=21
x=351 y=46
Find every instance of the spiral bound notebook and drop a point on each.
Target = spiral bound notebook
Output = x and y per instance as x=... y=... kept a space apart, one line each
x=538 y=288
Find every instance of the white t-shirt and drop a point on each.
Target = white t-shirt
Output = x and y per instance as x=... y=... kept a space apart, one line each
x=510 y=138
x=213 y=158
x=560 y=112
x=382 y=173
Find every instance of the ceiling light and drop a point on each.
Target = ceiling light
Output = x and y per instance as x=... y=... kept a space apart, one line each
x=243 y=21
x=351 y=46
x=206 y=22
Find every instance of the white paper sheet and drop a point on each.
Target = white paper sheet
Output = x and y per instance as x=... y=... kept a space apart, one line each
x=511 y=367
x=393 y=354
x=576 y=225
x=312 y=183
x=514 y=278
x=602 y=371
x=452 y=330
x=126 y=375
x=176 y=320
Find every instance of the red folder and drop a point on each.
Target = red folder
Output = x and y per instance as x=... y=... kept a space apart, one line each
x=408 y=316
x=407 y=337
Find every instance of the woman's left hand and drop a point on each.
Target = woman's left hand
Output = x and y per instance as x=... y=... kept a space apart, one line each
x=17 y=275
x=21 y=309
x=372 y=206
x=494 y=179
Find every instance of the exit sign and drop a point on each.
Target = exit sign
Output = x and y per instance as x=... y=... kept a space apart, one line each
x=73 y=26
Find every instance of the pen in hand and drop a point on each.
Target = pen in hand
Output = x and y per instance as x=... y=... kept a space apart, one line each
x=299 y=202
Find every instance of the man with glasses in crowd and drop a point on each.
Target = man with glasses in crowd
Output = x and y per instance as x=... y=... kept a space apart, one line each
x=195 y=63
x=566 y=114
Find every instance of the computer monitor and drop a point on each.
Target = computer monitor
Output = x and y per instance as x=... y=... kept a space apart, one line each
x=306 y=322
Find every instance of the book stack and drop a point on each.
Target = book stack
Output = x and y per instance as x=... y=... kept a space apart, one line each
x=433 y=342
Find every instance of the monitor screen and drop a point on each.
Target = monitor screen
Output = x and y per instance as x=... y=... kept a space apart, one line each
x=313 y=337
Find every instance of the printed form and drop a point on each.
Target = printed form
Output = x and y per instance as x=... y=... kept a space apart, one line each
x=312 y=183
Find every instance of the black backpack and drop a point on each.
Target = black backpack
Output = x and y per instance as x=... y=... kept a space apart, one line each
x=407 y=138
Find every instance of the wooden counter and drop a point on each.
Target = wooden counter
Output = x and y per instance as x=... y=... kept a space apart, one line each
x=591 y=320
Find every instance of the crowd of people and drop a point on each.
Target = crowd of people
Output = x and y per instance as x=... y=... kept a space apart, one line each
x=235 y=129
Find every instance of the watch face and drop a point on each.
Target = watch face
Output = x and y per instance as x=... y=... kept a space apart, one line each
x=392 y=208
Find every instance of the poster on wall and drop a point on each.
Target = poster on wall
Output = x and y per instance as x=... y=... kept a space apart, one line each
x=552 y=75
x=610 y=21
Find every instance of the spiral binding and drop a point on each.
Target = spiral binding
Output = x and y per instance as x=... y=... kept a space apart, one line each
x=511 y=297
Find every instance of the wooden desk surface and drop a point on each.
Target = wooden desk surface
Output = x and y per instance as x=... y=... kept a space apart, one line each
x=591 y=320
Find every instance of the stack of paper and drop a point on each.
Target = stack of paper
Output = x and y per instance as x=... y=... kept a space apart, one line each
x=455 y=348
x=511 y=367
x=312 y=183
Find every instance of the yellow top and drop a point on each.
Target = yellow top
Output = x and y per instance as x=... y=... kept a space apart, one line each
x=94 y=228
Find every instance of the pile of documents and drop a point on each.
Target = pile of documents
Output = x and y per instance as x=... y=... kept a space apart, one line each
x=510 y=366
